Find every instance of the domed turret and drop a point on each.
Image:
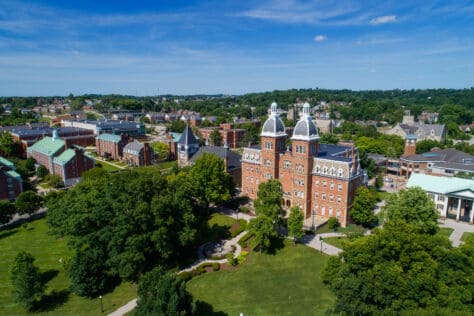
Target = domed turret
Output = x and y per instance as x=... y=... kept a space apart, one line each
x=273 y=126
x=305 y=129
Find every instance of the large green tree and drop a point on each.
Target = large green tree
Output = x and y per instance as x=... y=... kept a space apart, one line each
x=87 y=272
x=263 y=230
x=295 y=223
x=7 y=144
x=212 y=184
x=28 y=202
x=400 y=269
x=413 y=206
x=215 y=137
x=269 y=197
x=162 y=293
x=28 y=287
x=7 y=210
x=362 y=211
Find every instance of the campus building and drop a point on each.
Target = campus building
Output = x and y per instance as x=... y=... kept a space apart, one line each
x=138 y=154
x=108 y=126
x=452 y=196
x=67 y=162
x=111 y=145
x=11 y=184
x=319 y=178
x=234 y=137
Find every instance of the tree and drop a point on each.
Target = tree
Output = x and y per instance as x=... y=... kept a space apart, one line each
x=362 y=211
x=211 y=182
x=42 y=171
x=54 y=180
x=415 y=207
x=295 y=223
x=87 y=272
x=329 y=138
x=378 y=183
x=397 y=269
x=263 y=230
x=333 y=223
x=7 y=144
x=176 y=126
x=161 y=150
x=28 y=202
x=161 y=293
x=26 y=279
x=269 y=198
x=215 y=137
x=7 y=210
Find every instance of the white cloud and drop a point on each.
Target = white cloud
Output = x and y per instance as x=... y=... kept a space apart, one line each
x=383 y=19
x=320 y=38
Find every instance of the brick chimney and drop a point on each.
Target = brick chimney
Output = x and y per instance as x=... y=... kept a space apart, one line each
x=410 y=145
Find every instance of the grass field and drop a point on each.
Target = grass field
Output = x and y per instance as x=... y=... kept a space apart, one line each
x=466 y=235
x=107 y=166
x=285 y=283
x=445 y=231
x=351 y=228
x=336 y=241
x=48 y=250
x=220 y=227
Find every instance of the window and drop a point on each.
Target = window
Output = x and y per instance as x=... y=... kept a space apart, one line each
x=330 y=211
x=325 y=170
x=316 y=194
x=318 y=169
x=331 y=197
x=299 y=168
x=324 y=184
x=333 y=171
x=338 y=213
x=331 y=185
x=339 y=199
x=287 y=164
x=257 y=181
x=339 y=187
x=323 y=196
x=440 y=206
x=316 y=182
x=323 y=210
x=441 y=198
x=268 y=162
x=339 y=173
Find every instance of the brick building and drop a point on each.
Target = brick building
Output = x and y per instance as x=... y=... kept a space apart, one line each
x=234 y=137
x=110 y=145
x=138 y=154
x=320 y=178
x=11 y=184
x=54 y=154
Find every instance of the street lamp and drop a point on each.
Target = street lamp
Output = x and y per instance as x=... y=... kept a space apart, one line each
x=313 y=213
x=101 y=305
x=321 y=240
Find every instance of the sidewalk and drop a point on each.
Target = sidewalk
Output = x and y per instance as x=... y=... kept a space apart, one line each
x=459 y=229
x=313 y=241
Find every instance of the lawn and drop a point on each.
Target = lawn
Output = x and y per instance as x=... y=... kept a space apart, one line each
x=48 y=250
x=466 y=235
x=166 y=165
x=221 y=227
x=285 y=283
x=351 y=228
x=445 y=231
x=336 y=241
x=106 y=166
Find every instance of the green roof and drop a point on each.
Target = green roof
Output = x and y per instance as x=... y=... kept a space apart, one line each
x=109 y=137
x=175 y=136
x=7 y=163
x=66 y=156
x=442 y=185
x=13 y=174
x=47 y=146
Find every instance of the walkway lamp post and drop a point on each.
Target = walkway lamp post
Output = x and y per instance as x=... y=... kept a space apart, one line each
x=321 y=240
x=313 y=213
x=101 y=304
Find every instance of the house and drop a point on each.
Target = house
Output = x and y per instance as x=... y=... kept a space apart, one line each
x=408 y=126
x=452 y=196
x=233 y=136
x=11 y=184
x=111 y=145
x=138 y=154
x=319 y=178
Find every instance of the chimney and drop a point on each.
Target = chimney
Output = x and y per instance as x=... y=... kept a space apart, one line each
x=226 y=157
x=354 y=160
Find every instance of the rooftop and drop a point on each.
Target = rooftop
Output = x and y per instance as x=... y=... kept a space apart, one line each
x=110 y=137
x=47 y=146
x=7 y=163
x=65 y=157
x=442 y=185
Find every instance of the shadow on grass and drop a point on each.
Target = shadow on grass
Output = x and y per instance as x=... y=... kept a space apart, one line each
x=206 y=309
x=217 y=233
x=51 y=301
x=7 y=233
x=275 y=245
x=48 y=275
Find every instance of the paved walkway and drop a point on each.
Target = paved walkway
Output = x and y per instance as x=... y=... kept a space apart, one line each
x=314 y=241
x=459 y=229
x=125 y=308
x=231 y=213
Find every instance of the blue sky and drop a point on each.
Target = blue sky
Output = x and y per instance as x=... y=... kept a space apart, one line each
x=187 y=47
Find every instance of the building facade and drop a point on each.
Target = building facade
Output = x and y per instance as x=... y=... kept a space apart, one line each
x=452 y=196
x=11 y=184
x=234 y=137
x=138 y=154
x=110 y=145
x=319 y=178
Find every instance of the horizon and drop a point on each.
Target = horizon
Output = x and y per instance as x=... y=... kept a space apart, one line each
x=185 y=48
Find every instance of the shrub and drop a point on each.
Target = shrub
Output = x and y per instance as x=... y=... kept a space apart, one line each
x=242 y=256
x=244 y=209
x=333 y=223
x=243 y=242
x=238 y=230
x=215 y=266
x=231 y=260
x=42 y=171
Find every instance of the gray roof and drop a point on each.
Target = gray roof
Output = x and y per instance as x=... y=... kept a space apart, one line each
x=305 y=128
x=234 y=159
x=187 y=137
x=416 y=128
x=273 y=125
x=445 y=158
x=133 y=147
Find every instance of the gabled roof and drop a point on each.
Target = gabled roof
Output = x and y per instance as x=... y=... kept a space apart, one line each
x=187 y=137
x=47 y=146
x=133 y=147
x=13 y=174
x=110 y=137
x=65 y=157
x=7 y=163
x=175 y=136
x=234 y=159
x=442 y=185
